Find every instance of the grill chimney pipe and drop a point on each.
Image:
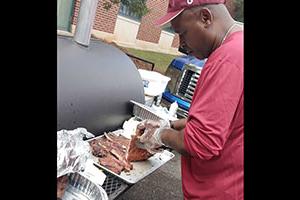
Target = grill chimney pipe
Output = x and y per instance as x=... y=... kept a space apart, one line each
x=86 y=16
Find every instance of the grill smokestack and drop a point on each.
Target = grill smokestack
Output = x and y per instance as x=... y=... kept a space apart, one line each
x=85 y=21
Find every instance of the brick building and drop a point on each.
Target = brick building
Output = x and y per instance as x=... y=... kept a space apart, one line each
x=124 y=28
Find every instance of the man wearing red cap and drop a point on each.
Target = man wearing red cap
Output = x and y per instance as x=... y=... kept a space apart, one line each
x=210 y=140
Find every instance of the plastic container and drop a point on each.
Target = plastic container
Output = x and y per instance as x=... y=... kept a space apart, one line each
x=154 y=82
x=149 y=100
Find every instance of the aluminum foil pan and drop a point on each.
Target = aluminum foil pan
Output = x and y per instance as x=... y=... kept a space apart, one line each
x=81 y=188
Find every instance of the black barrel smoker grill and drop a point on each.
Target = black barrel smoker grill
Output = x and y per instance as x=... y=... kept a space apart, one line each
x=94 y=87
x=95 y=83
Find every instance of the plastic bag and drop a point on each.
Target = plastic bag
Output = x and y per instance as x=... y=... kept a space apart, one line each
x=129 y=127
x=173 y=109
x=72 y=150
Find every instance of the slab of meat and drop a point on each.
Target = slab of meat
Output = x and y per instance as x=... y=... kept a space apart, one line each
x=115 y=152
x=99 y=148
x=111 y=151
x=135 y=153
x=121 y=157
x=111 y=163
x=119 y=139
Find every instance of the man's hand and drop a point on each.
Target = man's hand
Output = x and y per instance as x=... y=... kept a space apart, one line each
x=151 y=136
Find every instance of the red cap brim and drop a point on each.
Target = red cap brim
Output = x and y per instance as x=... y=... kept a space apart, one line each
x=167 y=18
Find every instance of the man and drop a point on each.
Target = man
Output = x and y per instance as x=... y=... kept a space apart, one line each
x=210 y=140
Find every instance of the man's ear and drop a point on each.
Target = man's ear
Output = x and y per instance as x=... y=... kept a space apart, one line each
x=205 y=16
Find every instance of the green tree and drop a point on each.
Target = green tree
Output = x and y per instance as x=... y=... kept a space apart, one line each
x=239 y=10
x=137 y=7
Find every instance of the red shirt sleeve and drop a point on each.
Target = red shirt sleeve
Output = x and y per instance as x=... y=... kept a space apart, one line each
x=214 y=104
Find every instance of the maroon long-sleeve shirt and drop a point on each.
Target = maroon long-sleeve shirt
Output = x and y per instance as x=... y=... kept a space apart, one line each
x=214 y=131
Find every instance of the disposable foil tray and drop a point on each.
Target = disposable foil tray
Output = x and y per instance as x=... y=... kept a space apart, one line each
x=81 y=188
x=140 y=169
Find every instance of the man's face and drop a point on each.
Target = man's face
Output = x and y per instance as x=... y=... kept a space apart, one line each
x=192 y=33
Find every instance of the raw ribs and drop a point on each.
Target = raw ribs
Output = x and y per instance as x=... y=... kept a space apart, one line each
x=135 y=153
x=116 y=152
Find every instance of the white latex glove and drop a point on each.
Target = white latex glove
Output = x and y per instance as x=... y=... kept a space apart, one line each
x=151 y=138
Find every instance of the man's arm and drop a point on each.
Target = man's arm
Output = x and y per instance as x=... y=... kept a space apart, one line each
x=178 y=124
x=158 y=133
x=174 y=139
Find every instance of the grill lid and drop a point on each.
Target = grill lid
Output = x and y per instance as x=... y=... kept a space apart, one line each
x=95 y=86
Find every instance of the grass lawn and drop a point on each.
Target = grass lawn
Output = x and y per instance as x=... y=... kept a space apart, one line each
x=161 y=60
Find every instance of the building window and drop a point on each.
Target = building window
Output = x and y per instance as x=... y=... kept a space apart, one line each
x=124 y=11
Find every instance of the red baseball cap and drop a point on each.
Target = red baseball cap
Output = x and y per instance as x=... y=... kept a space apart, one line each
x=177 y=6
